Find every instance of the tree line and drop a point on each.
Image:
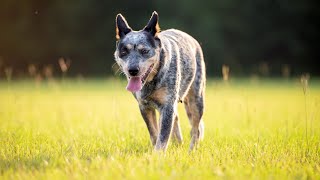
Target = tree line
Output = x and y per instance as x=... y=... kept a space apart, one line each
x=249 y=37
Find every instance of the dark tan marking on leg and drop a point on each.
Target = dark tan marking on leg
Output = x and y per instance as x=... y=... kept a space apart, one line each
x=149 y=116
x=177 y=130
x=194 y=117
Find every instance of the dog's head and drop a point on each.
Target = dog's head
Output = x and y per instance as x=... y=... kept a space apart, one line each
x=137 y=52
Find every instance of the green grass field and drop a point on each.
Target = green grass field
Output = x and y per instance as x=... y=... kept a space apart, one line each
x=87 y=129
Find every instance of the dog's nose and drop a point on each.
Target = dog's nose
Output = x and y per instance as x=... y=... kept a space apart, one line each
x=133 y=71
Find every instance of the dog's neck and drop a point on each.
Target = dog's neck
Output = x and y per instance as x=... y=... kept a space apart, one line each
x=157 y=66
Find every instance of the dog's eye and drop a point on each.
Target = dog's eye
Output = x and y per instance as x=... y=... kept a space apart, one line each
x=144 y=51
x=124 y=52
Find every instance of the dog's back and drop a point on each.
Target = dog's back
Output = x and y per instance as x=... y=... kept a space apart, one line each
x=189 y=66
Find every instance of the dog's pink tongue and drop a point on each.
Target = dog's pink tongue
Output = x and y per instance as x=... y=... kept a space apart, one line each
x=134 y=84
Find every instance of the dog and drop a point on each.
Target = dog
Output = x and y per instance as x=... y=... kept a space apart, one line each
x=163 y=69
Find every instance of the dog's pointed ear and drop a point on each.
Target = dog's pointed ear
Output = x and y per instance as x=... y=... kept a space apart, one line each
x=153 y=24
x=122 y=27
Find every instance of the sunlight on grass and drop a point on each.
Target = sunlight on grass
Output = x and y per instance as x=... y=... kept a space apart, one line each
x=93 y=129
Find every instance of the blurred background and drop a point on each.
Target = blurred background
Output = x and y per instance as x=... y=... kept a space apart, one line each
x=267 y=38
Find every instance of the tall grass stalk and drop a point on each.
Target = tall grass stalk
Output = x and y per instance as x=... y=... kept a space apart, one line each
x=304 y=82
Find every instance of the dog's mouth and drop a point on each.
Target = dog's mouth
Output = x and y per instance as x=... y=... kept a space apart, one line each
x=136 y=82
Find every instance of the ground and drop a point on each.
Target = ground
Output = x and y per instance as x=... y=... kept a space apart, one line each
x=254 y=128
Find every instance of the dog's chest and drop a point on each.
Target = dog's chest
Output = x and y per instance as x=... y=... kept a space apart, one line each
x=141 y=98
x=154 y=98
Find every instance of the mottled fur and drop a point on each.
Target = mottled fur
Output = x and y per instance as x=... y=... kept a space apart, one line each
x=177 y=75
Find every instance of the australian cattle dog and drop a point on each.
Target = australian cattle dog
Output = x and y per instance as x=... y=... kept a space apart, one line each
x=163 y=69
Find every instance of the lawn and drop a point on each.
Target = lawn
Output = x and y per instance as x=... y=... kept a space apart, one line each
x=92 y=129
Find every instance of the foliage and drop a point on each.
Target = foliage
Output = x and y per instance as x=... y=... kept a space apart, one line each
x=240 y=34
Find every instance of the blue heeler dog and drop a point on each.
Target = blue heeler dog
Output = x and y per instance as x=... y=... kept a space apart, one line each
x=163 y=68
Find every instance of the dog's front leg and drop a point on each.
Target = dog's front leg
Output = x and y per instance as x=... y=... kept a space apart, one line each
x=149 y=117
x=167 y=116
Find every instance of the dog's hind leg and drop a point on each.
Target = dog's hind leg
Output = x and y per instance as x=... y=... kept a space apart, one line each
x=194 y=108
x=194 y=102
x=149 y=116
x=177 y=130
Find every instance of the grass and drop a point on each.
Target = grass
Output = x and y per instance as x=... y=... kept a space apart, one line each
x=93 y=129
